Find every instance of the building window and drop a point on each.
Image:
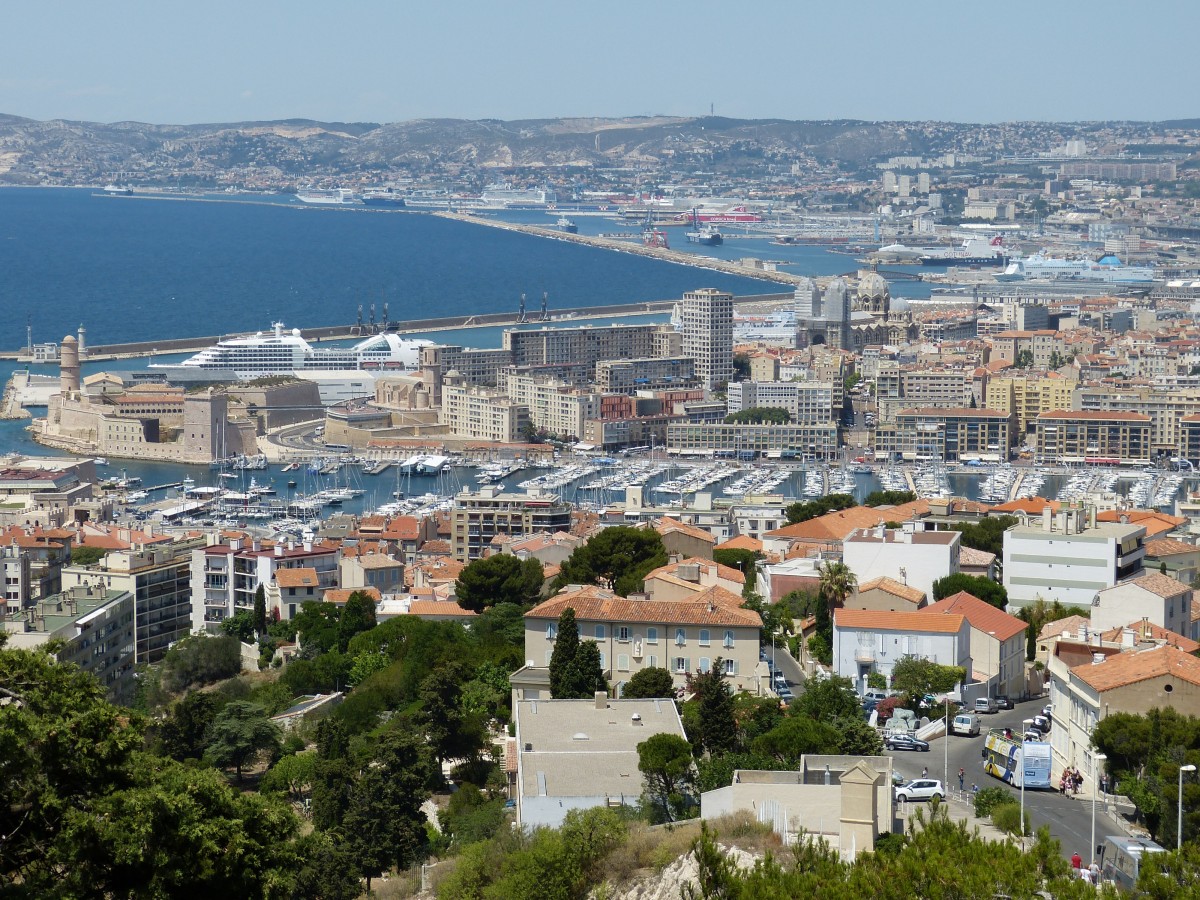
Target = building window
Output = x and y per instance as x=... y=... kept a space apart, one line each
x=599 y=632
x=729 y=637
x=704 y=638
x=730 y=667
x=652 y=661
x=705 y=664
x=552 y=631
x=680 y=637
x=623 y=633
x=603 y=661
x=623 y=662
x=681 y=665
x=651 y=635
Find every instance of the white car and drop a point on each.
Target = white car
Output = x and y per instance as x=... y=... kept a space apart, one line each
x=921 y=789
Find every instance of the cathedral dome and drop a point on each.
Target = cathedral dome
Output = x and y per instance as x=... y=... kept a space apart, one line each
x=873 y=285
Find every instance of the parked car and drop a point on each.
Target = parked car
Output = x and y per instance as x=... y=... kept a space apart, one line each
x=1046 y=710
x=1004 y=701
x=905 y=742
x=1041 y=723
x=785 y=694
x=966 y=724
x=921 y=789
x=874 y=694
x=986 y=705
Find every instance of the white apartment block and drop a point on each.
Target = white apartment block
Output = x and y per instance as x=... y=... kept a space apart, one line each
x=707 y=317
x=1068 y=557
x=559 y=408
x=807 y=402
x=482 y=413
x=866 y=641
x=911 y=556
x=1156 y=597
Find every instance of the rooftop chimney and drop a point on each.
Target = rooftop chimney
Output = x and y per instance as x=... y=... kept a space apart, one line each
x=1128 y=639
x=1047 y=518
x=601 y=700
x=279 y=548
x=1098 y=658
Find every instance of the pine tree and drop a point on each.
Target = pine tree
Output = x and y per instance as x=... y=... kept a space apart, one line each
x=260 y=611
x=566 y=645
x=584 y=676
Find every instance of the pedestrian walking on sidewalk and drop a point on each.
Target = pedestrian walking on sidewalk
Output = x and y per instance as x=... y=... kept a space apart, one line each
x=962 y=774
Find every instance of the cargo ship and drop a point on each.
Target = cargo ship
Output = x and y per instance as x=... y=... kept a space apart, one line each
x=972 y=252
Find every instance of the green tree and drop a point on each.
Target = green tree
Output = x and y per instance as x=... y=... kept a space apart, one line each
x=760 y=415
x=240 y=625
x=744 y=561
x=292 y=776
x=837 y=583
x=358 y=615
x=917 y=677
x=566 y=646
x=366 y=664
x=88 y=813
x=714 y=710
x=87 y=556
x=650 y=682
x=201 y=659
x=795 y=736
x=317 y=626
x=451 y=734
x=384 y=823
x=976 y=585
x=618 y=558
x=584 y=677
x=182 y=734
x=811 y=509
x=665 y=761
x=326 y=869
x=1174 y=875
x=501 y=578
x=238 y=734
x=827 y=700
x=260 y=610
x=986 y=534
x=889 y=498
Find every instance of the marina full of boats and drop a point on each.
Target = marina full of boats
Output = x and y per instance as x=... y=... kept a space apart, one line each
x=275 y=499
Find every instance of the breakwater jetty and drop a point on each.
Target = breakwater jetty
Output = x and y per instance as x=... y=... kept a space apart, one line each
x=750 y=268
x=554 y=317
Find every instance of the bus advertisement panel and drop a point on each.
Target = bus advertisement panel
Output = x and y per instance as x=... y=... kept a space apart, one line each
x=1012 y=761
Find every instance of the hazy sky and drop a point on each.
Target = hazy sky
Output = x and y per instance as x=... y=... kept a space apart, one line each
x=390 y=60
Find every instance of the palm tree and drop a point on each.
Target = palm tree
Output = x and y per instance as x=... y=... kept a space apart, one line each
x=837 y=583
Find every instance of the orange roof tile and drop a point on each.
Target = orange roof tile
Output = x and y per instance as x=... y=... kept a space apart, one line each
x=715 y=606
x=666 y=525
x=339 y=596
x=1146 y=630
x=290 y=578
x=897 y=621
x=1169 y=547
x=896 y=588
x=725 y=572
x=438 y=608
x=1124 y=669
x=982 y=616
x=741 y=542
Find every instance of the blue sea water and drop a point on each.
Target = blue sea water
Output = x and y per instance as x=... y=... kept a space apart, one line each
x=132 y=268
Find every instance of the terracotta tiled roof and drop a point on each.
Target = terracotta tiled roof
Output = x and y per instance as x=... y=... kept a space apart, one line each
x=896 y=588
x=1160 y=585
x=834 y=526
x=1146 y=630
x=741 y=542
x=339 y=596
x=725 y=572
x=897 y=621
x=1094 y=415
x=1169 y=547
x=294 y=578
x=437 y=608
x=1124 y=669
x=666 y=525
x=1152 y=520
x=982 y=616
x=1028 y=505
x=1056 y=628
x=969 y=556
x=715 y=606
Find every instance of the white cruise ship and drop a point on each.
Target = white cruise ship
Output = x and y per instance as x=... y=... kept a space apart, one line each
x=336 y=197
x=341 y=373
x=1106 y=270
x=505 y=195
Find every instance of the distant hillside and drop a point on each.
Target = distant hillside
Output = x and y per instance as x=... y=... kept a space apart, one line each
x=60 y=151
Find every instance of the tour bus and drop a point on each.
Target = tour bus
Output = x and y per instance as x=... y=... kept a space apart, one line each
x=1123 y=859
x=1003 y=757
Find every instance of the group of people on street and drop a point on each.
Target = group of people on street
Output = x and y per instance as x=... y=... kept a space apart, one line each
x=1091 y=874
x=1071 y=781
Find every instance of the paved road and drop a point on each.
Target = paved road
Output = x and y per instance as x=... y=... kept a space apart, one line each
x=1070 y=819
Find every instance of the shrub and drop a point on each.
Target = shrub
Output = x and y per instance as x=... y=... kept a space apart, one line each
x=1007 y=817
x=988 y=799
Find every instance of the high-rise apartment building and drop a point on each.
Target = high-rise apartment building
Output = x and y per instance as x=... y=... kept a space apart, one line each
x=708 y=334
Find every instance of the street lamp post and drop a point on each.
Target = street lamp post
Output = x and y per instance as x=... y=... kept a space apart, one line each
x=946 y=748
x=1179 y=820
x=1024 y=731
x=1096 y=761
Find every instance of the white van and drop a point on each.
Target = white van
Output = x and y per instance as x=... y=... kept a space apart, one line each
x=965 y=724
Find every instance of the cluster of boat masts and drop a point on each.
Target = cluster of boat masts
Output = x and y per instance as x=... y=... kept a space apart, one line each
x=1147 y=490
x=997 y=487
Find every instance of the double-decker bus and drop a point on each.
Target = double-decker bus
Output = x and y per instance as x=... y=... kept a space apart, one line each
x=1014 y=761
